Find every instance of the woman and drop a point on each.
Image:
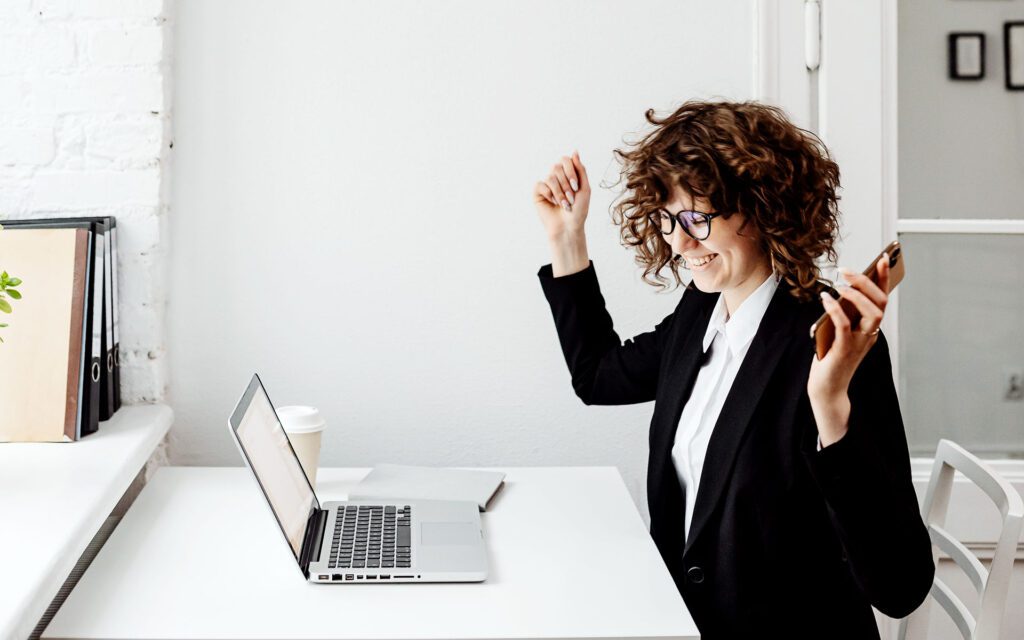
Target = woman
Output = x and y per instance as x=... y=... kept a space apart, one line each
x=778 y=484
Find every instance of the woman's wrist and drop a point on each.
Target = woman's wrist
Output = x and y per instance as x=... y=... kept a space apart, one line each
x=832 y=416
x=568 y=253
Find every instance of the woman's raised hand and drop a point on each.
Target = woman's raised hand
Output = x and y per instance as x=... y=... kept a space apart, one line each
x=563 y=198
x=829 y=378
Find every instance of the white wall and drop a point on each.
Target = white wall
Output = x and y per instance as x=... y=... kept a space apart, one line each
x=353 y=216
x=85 y=130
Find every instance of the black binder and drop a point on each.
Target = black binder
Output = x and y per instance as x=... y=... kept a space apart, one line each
x=116 y=374
x=110 y=381
x=95 y=405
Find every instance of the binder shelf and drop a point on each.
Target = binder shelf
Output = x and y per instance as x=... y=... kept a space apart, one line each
x=55 y=498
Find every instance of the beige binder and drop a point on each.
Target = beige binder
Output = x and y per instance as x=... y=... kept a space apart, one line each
x=42 y=355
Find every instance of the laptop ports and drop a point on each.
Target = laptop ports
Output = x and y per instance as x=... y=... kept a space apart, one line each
x=369 y=577
x=335 y=577
x=349 y=576
x=384 y=577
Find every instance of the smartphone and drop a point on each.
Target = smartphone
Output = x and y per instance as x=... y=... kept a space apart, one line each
x=823 y=332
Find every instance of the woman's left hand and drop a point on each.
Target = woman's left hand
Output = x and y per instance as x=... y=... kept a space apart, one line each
x=830 y=376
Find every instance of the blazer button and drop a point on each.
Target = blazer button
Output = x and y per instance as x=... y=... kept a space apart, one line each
x=695 y=575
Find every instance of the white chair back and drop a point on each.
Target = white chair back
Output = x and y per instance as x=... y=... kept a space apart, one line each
x=991 y=584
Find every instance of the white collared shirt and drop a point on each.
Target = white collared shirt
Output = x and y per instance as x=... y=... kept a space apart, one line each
x=729 y=338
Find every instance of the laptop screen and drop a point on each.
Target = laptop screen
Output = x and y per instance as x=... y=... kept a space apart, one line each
x=271 y=457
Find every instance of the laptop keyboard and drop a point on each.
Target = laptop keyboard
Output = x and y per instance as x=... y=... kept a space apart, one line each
x=371 y=536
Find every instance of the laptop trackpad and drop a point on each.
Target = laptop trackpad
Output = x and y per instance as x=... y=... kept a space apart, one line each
x=449 y=533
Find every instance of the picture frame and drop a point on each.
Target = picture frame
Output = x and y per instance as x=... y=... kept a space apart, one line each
x=966 y=55
x=1013 y=55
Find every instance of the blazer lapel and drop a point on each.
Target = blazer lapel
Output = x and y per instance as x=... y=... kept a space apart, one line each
x=666 y=496
x=762 y=357
x=688 y=358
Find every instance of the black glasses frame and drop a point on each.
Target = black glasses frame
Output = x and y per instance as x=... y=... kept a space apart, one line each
x=654 y=218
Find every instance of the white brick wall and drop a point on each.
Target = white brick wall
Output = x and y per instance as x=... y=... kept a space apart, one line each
x=85 y=129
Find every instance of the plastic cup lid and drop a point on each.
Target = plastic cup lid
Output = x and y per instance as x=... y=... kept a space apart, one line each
x=300 y=419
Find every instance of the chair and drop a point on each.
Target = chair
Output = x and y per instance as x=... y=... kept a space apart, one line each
x=991 y=584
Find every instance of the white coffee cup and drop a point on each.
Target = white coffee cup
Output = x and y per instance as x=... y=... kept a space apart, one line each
x=304 y=427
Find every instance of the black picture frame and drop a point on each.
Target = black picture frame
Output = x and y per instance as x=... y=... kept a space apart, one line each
x=1013 y=55
x=960 y=51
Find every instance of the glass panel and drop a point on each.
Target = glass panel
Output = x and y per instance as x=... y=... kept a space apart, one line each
x=961 y=310
x=960 y=141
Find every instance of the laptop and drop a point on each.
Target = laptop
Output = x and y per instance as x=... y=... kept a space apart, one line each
x=355 y=541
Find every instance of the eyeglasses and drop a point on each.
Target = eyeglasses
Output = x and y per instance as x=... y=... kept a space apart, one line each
x=696 y=224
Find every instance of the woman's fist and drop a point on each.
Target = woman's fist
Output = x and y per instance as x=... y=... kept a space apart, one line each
x=563 y=198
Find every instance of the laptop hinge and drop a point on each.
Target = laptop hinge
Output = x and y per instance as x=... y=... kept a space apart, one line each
x=314 y=538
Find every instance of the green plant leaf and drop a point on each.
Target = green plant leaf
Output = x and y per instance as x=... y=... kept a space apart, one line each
x=14 y=293
x=2 y=325
x=13 y=282
x=5 y=306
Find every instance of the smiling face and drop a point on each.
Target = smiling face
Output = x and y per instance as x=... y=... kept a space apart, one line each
x=738 y=264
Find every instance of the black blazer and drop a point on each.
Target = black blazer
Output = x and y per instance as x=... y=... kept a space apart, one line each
x=784 y=539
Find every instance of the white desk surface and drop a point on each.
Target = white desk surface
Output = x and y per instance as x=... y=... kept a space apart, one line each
x=198 y=555
x=54 y=496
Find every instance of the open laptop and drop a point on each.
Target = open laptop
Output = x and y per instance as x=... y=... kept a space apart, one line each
x=361 y=540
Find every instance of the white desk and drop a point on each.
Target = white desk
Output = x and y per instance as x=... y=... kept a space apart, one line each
x=54 y=496
x=569 y=556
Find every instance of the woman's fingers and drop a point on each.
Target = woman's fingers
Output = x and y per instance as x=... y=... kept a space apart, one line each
x=866 y=286
x=871 y=315
x=563 y=185
x=581 y=171
x=570 y=174
x=839 y=319
x=557 y=191
x=544 y=191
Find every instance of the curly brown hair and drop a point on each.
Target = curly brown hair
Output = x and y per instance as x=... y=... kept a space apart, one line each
x=742 y=157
